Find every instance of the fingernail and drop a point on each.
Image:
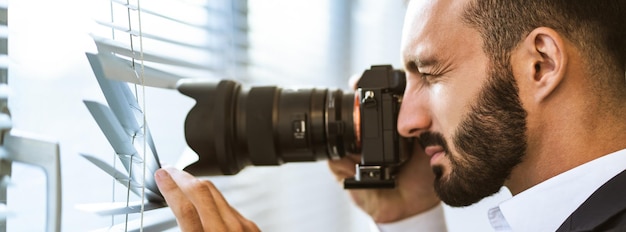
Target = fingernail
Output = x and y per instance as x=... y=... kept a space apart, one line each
x=161 y=174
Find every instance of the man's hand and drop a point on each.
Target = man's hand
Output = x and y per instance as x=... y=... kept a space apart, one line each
x=414 y=192
x=198 y=205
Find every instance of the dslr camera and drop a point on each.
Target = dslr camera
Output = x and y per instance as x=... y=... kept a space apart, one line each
x=231 y=127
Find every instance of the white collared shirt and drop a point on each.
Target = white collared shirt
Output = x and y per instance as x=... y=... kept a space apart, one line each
x=431 y=220
x=544 y=207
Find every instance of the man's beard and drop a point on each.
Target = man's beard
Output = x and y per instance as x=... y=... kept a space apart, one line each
x=490 y=139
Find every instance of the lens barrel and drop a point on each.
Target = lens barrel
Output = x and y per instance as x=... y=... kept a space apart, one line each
x=231 y=127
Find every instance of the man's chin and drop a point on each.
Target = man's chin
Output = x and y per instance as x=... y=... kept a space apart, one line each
x=459 y=193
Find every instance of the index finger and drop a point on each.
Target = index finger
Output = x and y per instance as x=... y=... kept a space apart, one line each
x=183 y=209
x=201 y=197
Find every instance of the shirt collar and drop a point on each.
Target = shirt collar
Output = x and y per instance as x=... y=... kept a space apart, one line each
x=545 y=206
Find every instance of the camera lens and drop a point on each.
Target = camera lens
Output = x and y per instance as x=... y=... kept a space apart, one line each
x=231 y=127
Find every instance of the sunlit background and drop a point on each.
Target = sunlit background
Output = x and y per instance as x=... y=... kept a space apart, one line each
x=291 y=43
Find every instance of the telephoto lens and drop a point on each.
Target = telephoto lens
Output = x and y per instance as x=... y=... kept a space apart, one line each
x=231 y=127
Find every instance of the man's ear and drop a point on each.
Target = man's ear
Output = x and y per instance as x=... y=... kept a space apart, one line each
x=543 y=61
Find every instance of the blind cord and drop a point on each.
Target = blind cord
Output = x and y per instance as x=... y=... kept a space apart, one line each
x=143 y=106
x=130 y=171
x=114 y=156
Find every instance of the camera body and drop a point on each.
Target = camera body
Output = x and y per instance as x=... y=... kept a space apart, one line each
x=379 y=93
x=231 y=128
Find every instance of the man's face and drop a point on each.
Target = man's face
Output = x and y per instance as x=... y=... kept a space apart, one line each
x=463 y=108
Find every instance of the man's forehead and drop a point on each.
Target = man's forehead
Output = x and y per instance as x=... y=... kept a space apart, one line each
x=434 y=12
x=428 y=20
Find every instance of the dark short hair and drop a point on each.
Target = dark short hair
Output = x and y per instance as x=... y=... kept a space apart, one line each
x=596 y=27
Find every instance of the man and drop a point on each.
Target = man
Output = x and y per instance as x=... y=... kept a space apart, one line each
x=524 y=94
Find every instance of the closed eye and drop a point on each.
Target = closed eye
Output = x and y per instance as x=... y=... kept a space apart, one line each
x=428 y=77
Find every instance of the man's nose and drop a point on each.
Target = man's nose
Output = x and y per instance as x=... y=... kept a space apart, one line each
x=414 y=117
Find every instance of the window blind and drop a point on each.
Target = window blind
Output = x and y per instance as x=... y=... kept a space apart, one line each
x=155 y=43
x=254 y=43
x=168 y=40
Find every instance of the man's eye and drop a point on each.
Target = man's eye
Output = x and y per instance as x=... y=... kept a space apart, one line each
x=430 y=78
x=427 y=76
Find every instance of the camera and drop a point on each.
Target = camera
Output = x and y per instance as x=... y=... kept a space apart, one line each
x=230 y=127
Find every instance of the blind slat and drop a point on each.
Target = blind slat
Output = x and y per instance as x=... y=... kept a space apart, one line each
x=149 y=223
x=111 y=46
x=154 y=36
x=118 y=208
x=115 y=68
x=159 y=14
x=120 y=99
x=119 y=176
x=114 y=133
x=123 y=146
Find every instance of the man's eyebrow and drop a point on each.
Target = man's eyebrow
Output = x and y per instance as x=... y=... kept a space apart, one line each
x=425 y=62
x=414 y=61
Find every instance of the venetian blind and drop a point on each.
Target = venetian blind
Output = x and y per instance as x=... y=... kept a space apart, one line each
x=287 y=43
x=155 y=43
x=167 y=40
